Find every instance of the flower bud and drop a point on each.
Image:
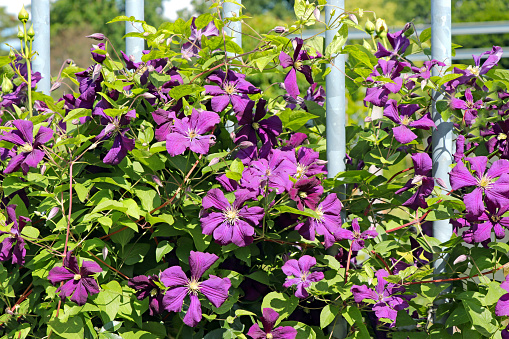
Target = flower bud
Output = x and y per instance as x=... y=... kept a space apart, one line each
x=23 y=15
x=147 y=95
x=361 y=12
x=96 y=36
x=213 y=161
x=21 y=35
x=6 y=85
x=369 y=27
x=158 y=181
x=53 y=212
x=353 y=17
x=75 y=121
x=460 y=258
x=316 y=13
x=31 y=32
x=279 y=30
x=105 y=252
x=43 y=169
x=381 y=27
x=55 y=86
x=245 y=144
x=409 y=29
x=12 y=55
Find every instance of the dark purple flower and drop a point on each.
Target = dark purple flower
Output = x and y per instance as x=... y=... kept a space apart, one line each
x=179 y=286
x=273 y=172
x=187 y=133
x=13 y=247
x=96 y=56
x=252 y=124
x=460 y=148
x=469 y=106
x=496 y=191
x=29 y=148
x=315 y=93
x=296 y=63
x=80 y=284
x=302 y=277
x=423 y=181
x=500 y=132
x=145 y=286
x=327 y=224
x=306 y=191
x=234 y=223
x=121 y=144
x=356 y=236
x=399 y=43
x=402 y=115
x=309 y=164
x=385 y=295
x=269 y=319
x=502 y=307
x=164 y=120
x=193 y=46
x=233 y=88
x=379 y=94
x=491 y=219
x=129 y=62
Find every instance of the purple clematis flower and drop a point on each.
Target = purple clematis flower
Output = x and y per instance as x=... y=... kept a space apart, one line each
x=424 y=72
x=502 y=307
x=327 y=224
x=80 y=284
x=302 y=277
x=491 y=219
x=252 y=124
x=269 y=319
x=402 y=115
x=233 y=88
x=121 y=144
x=13 y=247
x=500 y=141
x=385 y=295
x=145 y=286
x=234 y=223
x=315 y=93
x=193 y=46
x=469 y=106
x=296 y=63
x=423 y=181
x=496 y=191
x=179 y=286
x=29 y=148
x=460 y=148
x=399 y=43
x=356 y=236
x=390 y=69
x=306 y=191
x=187 y=133
x=96 y=56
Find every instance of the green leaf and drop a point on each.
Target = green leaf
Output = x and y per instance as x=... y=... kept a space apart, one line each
x=425 y=35
x=77 y=113
x=307 y=211
x=481 y=317
x=431 y=291
x=163 y=248
x=13 y=184
x=295 y=119
x=135 y=253
x=183 y=90
x=354 y=316
x=281 y=303
x=81 y=191
x=108 y=300
x=30 y=232
x=494 y=293
x=132 y=208
x=72 y=328
x=108 y=205
x=328 y=314
x=338 y=42
x=457 y=317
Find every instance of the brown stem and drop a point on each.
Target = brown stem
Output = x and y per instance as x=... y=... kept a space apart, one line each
x=105 y=264
x=70 y=211
x=383 y=261
x=348 y=262
x=400 y=172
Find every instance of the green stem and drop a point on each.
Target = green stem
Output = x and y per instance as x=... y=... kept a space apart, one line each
x=28 y=59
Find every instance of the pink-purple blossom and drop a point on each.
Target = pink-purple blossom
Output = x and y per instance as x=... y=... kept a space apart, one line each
x=13 y=247
x=299 y=274
x=422 y=180
x=215 y=289
x=356 y=235
x=402 y=115
x=269 y=320
x=296 y=64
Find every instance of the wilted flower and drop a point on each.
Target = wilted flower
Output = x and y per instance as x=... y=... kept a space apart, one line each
x=146 y=286
x=80 y=284
x=179 y=286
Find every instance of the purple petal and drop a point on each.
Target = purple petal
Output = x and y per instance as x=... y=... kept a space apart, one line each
x=80 y=294
x=291 y=83
x=43 y=135
x=284 y=332
x=220 y=102
x=176 y=143
x=174 y=276
x=89 y=267
x=285 y=60
x=502 y=307
x=193 y=315
x=306 y=262
x=473 y=202
x=216 y=289
x=200 y=262
x=461 y=177
x=215 y=198
x=403 y=134
x=256 y=332
x=391 y=111
x=423 y=123
x=174 y=299
x=363 y=292
x=291 y=267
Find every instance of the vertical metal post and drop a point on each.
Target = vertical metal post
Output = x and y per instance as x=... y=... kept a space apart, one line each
x=335 y=99
x=443 y=135
x=335 y=122
x=41 y=63
x=234 y=28
x=134 y=46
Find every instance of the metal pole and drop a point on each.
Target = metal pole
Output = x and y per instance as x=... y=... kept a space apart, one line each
x=234 y=28
x=335 y=123
x=41 y=63
x=443 y=135
x=134 y=46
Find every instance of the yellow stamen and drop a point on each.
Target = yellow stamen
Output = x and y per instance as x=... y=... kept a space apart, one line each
x=229 y=88
x=77 y=276
x=406 y=120
x=502 y=136
x=26 y=148
x=231 y=215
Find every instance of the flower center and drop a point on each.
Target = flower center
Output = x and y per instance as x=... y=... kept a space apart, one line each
x=255 y=125
x=406 y=120
x=319 y=212
x=502 y=136
x=191 y=134
x=301 y=169
x=474 y=70
x=153 y=293
x=495 y=218
x=193 y=286
x=231 y=215
x=298 y=65
x=77 y=276
x=26 y=148
x=470 y=104
x=267 y=172
x=269 y=336
x=303 y=195
x=423 y=69
x=484 y=182
x=229 y=88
